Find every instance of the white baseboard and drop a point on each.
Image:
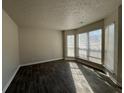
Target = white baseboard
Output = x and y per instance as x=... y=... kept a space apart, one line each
x=37 y=62
x=10 y=80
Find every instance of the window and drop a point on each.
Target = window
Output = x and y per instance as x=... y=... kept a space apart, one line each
x=70 y=45
x=83 y=46
x=95 y=46
x=109 y=47
x=89 y=46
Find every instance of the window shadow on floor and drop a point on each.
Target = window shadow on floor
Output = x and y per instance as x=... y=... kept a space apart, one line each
x=97 y=85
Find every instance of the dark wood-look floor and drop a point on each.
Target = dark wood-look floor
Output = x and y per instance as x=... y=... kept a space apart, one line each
x=58 y=77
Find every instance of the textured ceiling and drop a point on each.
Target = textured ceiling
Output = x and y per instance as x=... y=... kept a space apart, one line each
x=58 y=14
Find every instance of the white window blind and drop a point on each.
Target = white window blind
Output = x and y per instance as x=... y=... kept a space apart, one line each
x=109 y=47
x=70 y=45
x=83 y=46
x=95 y=46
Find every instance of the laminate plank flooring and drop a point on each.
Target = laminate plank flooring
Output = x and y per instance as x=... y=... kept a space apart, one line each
x=58 y=77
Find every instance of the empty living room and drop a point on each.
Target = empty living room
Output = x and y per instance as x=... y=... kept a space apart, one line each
x=61 y=46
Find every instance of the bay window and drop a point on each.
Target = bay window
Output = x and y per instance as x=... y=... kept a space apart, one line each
x=89 y=46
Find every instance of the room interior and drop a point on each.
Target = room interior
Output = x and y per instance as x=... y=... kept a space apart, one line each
x=62 y=46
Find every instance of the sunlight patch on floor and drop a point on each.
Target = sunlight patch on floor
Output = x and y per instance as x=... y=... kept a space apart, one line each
x=81 y=84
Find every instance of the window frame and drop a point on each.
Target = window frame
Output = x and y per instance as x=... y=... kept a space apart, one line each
x=114 y=66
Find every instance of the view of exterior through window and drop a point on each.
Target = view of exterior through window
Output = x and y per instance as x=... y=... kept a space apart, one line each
x=70 y=45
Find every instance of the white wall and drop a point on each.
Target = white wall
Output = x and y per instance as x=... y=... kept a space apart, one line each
x=10 y=49
x=39 y=45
